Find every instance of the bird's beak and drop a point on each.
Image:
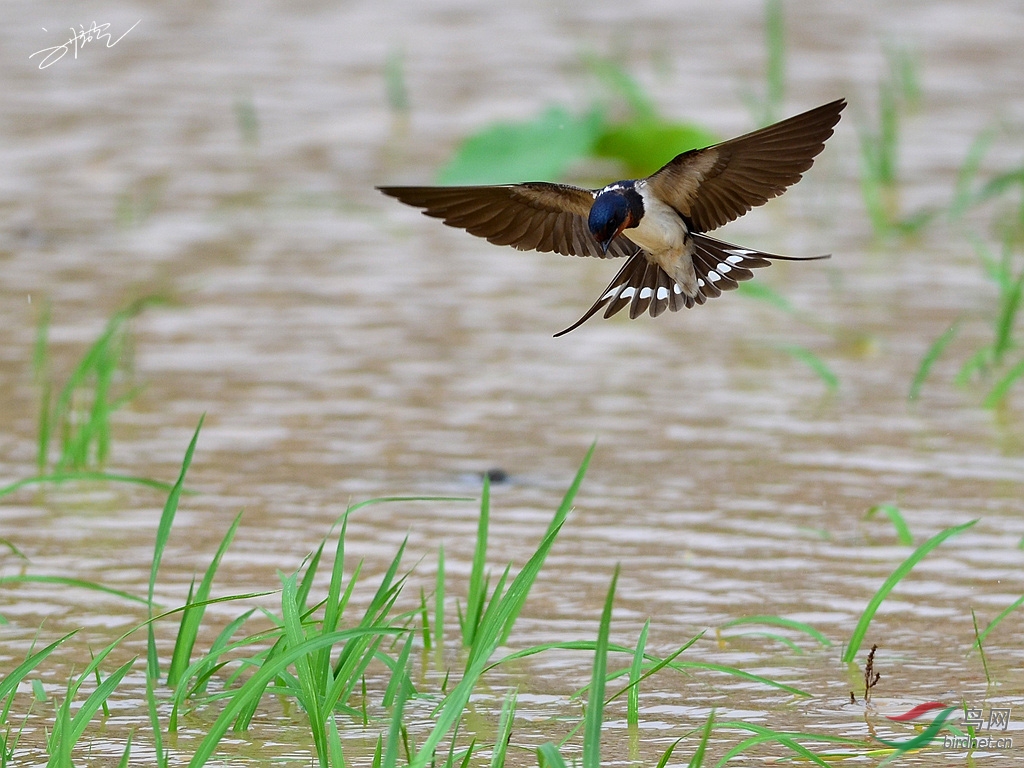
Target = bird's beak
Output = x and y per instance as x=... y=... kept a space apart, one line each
x=606 y=244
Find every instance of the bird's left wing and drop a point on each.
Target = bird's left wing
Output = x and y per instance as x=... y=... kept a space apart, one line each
x=715 y=185
x=535 y=216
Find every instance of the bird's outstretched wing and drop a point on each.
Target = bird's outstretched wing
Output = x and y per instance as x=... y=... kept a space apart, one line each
x=644 y=286
x=535 y=216
x=712 y=186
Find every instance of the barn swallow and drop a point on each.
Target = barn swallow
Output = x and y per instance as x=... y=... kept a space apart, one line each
x=657 y=223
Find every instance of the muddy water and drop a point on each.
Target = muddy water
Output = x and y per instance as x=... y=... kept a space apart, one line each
x=344 y=348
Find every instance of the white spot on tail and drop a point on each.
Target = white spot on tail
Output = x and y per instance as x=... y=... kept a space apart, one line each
x=646 y=293
x=723 y=269
x=627 y=293
x=714 y=276
x=662 y=293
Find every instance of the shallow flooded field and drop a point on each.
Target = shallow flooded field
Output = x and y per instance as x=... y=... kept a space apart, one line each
x=344 y=348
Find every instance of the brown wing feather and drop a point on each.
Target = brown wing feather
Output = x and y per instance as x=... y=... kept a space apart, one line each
x=713 y=186
x=536 y=216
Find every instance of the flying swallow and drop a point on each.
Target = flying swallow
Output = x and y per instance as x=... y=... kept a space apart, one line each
x=657 y=223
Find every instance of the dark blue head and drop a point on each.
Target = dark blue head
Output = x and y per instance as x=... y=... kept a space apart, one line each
x=616 y=208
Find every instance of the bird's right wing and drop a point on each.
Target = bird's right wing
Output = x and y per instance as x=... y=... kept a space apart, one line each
x=535 y=216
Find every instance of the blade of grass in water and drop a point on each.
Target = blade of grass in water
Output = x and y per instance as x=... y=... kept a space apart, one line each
x=504 y=734
x=813 y=362
x=163 y=532
x=477 y=580
x=69 y=582
x=786 y=739
x=1009 y=306
x=896 y=518
x=963 y=197
x=439 y=600
x=635 y=671
x=780 y=621
x=698 y=756
x=998 y=620
x=594 y=717
x=10 y=682
x=67 y=477
x=548 y=756
x=890 y=583
x=41 y=373
x=192 y=616
x=933 y=353
x=1002 y=387
x=980 y=647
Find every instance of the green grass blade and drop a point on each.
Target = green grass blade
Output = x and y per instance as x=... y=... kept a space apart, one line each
x=439 y=600
x=890 y=583
x=548 y=756
x=309 y=694
x=69 y=582
x=780 y=621
x=477 y=581
x=594 y=718
x=635 y=672
x=96 y=699
x=126 y=755
x=41 y=374
x=1008 y=309
x=335 y=755
x=504 y=734
x=897 y=520
x=163 y=532
x=66 y=477
x=397 y=680
x=1002 y=387
x=980 y=647
x=931 y=355
x=698 y=756
x=10 y=682
x=815 y=363
x=759 y=291
x=624 y=85
x=192 y=617
x=992 y=624
x=394 y=738
x=154 y=721
x=963 y=197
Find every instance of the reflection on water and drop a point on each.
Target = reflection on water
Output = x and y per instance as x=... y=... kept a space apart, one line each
x=343 y=347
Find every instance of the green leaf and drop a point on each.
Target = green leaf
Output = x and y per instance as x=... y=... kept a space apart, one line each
x=541 y=149
x=646 y=144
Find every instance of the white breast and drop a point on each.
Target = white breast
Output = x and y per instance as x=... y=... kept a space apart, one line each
x=662 y=232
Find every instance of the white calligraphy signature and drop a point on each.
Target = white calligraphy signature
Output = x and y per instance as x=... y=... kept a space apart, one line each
x=78 y=40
